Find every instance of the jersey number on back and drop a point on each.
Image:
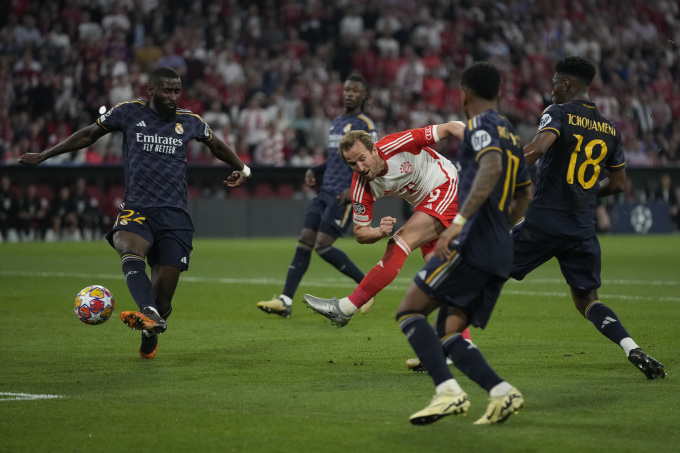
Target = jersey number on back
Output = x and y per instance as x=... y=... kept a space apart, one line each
x=510 y=178
x=572 y=170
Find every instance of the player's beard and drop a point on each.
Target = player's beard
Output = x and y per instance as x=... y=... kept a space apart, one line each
x=164 y=110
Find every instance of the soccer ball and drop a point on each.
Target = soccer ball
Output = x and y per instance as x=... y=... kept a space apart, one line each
x=94 y=304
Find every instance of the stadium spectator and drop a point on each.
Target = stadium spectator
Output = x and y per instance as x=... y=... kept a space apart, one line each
x=411 y=73
x=302 y=158
x=62 y=218
x=173 y=58
x=252 y=121
x=269 y=152
x=9 y=211
x=148 y=55
x=32 y=215
x=668 y=194
x=637 y=54
x=91 y=219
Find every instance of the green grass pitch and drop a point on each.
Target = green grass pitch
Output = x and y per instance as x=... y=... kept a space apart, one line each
x=228 y=377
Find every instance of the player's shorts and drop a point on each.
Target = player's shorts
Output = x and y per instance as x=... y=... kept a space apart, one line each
x=442 y=204
x=454 y=282
x=170 y=232
x=580 y=260
x=327 y=215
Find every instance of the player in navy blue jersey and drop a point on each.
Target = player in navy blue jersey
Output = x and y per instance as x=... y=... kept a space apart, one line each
x=472 y=257
x=575 y=143
x=329 y=215
x=154 y=223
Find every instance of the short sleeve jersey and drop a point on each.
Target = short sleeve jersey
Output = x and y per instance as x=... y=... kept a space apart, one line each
x=485 y=241
x=567 y=175
x=338 y=175
x=413 y=171
x=154 y=152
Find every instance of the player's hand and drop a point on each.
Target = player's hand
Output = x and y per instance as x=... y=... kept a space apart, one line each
x=310 y=178
x=345 y=197
x=442 y=248
x=386 y=226
x=235 y=179
x=30 y=159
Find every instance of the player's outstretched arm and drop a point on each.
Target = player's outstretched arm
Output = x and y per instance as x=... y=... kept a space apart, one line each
x=78 y=140
x=224 y=153
x=451 y=129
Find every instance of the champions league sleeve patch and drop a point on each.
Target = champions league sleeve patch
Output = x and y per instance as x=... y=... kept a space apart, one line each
x=545 y=120
x=359 y=208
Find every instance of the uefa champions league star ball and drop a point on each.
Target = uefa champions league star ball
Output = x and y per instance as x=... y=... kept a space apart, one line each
x=94 y=305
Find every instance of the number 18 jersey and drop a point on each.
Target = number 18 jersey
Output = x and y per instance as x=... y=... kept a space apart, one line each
x=567 y=176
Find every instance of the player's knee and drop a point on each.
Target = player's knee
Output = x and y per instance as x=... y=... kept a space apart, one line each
x=403 y=315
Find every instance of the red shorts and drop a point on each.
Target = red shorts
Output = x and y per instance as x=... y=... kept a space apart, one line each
x=442 y=204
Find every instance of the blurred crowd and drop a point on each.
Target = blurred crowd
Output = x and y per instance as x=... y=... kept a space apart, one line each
x=267 y=75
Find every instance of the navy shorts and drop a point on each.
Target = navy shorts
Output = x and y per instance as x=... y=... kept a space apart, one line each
x=170 y=232
x=580 y=259
x=327 y=215
x=454 y=282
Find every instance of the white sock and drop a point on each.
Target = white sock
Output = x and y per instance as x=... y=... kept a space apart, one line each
x=346 y=306
x=449 y=386
x=286 y=300
x=628 y=345
x=500 y=389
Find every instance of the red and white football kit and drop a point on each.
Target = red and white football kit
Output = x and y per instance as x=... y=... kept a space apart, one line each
x=416 y=173
x=419 y=175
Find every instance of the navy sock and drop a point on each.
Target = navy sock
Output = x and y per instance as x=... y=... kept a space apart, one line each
x=138 y=283
x=468 y=359
x=425 y=343
x=605 y=320
x=341 y=262
x=297 y=269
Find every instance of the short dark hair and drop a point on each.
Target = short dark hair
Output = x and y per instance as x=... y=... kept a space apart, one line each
x=162 y=72
x=576 y=67
x=483 y=79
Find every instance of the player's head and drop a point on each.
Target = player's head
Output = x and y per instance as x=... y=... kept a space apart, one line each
x=361 y=154
x=355 y=93
x=165 y=87
x=479 y=82
x=572 y=78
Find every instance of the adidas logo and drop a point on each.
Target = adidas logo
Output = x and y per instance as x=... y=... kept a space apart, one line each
x=607 y=320
x=141 y=124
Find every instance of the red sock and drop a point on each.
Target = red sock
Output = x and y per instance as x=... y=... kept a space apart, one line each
x=466 y=334
x=382 y=274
